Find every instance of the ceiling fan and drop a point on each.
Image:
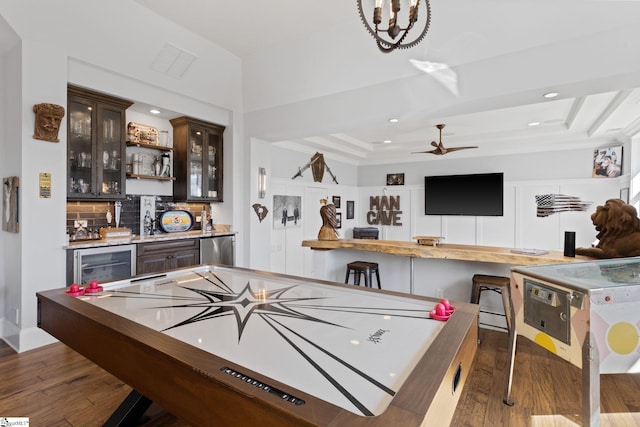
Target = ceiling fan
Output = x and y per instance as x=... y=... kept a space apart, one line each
x=440 y=149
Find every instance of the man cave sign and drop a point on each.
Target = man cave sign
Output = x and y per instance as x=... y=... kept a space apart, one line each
x=384 y=210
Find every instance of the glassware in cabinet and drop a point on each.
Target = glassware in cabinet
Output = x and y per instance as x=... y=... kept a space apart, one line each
x=197 y=160
x=96 y=145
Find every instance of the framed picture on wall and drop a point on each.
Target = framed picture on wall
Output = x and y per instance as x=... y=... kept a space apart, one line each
x=336 y=201
x=287 y=211
x=338 y=220
x=10 y=215
x=350 y=209
x=395 y=179
x=607 y=162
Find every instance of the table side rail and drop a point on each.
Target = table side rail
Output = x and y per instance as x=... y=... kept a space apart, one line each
x=181 y=378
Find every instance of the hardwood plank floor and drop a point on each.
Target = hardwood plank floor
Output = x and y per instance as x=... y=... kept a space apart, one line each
x=55 y=386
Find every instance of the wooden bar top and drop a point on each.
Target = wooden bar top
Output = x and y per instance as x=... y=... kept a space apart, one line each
x=444 y=251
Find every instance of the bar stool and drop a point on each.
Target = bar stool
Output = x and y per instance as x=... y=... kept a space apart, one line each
x=363 y=267
x=496 y=284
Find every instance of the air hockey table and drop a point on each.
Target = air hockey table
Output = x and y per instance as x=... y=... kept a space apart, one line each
x=218 y=345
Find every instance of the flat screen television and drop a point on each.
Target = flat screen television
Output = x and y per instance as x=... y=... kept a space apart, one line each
x=470 y=195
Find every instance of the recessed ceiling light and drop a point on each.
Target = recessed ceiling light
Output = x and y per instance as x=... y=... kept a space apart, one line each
x=154 y=111
x=534 y=124
x=551 y=94
x=394 y=120
x=387 y=141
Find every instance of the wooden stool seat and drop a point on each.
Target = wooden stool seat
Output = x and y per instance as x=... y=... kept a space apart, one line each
x=365 y=268
x=498 y=284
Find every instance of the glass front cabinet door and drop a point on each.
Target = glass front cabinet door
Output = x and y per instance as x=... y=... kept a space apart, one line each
x=197 y=160
x=96 y=145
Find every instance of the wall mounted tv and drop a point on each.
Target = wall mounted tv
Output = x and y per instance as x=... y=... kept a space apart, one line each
x=470 y=195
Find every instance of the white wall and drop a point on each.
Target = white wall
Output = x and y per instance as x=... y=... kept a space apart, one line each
x=3 y=157
x=43 y=71
x=260 y=231
x=11 y=166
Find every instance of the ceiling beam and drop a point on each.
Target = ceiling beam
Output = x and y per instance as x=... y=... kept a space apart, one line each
x=609 y=110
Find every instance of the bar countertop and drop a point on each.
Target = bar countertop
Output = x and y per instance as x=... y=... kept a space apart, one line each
x=194 y=234
x=446 y=251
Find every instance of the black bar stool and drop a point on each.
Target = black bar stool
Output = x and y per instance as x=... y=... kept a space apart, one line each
x=362 y=267
x=498 y=284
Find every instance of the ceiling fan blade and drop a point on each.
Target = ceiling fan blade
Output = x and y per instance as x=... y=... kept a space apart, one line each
x=459 y=148
x=440 y=148
x=428 y=152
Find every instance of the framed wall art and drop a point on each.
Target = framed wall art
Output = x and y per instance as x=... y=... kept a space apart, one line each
x=395 y=179
x=607 y=162
x=336 y=201
x=287 y=211
x=338 y=220
x=350 y=209
x=10 y=186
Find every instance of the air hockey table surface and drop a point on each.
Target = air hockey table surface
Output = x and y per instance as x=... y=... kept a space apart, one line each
x=279 y=348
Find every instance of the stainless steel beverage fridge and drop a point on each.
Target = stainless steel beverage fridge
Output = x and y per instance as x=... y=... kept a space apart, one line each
x=104 y=263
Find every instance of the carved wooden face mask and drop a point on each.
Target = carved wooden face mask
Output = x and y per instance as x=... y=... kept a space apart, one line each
x=48 y=118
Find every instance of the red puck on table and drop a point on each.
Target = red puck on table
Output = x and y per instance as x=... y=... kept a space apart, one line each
x=93 y=288
x=442 y=310
x=75 y=290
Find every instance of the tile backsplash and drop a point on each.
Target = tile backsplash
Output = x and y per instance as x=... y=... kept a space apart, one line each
x=95 y=212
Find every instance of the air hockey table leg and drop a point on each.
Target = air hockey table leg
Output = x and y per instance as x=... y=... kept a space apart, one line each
x=130 y=411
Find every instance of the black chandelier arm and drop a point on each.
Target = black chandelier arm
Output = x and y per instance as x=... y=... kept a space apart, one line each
x=387 y=46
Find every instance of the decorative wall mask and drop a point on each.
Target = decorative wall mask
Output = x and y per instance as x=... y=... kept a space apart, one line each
x=48 y=118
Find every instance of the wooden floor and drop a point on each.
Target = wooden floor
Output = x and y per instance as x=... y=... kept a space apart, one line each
x=54 y=386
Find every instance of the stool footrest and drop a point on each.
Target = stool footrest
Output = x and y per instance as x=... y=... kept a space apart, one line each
x=494 y=313
x=494 y=326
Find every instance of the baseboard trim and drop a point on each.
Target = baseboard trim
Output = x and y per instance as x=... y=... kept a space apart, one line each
x=22 y=340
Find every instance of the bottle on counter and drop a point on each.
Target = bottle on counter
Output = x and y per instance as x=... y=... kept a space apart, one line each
x=203 y=220
x=209 y=226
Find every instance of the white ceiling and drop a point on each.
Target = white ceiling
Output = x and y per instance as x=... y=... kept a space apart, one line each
x=463 y=31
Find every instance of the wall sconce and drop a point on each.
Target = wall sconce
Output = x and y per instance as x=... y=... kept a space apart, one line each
x=262 y=182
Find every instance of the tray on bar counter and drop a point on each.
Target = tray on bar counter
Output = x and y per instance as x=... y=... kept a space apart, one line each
x=428 y=240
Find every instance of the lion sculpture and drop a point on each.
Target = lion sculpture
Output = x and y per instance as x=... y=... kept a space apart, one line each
x=618 y=229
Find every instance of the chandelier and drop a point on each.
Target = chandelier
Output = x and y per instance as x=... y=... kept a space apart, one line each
x=394 y=36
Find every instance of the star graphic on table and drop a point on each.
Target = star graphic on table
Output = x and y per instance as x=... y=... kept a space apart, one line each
x=244 y=305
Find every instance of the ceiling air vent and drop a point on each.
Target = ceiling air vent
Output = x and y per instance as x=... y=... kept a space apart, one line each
x=172 y=61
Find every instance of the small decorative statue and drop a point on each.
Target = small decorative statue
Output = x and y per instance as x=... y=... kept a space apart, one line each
x=329 y=224
x=618 y=229
x=48 y=118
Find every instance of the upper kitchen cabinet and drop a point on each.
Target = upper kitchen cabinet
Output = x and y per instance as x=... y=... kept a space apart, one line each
x=96 y=145
x=197 y=160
